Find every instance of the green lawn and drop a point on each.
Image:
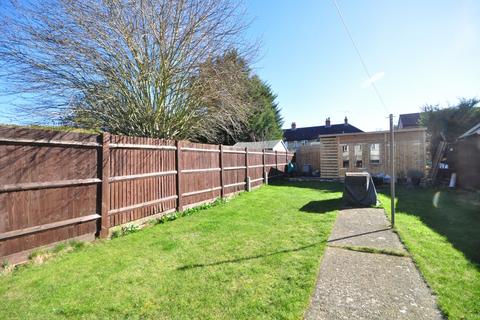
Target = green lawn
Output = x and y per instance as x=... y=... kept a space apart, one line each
x=254 y=257
x=441 y=229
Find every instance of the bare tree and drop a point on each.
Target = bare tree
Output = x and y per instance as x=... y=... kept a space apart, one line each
x=223 y=89
x=130 y=67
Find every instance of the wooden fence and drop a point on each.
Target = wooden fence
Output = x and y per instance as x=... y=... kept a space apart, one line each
x=56 y=186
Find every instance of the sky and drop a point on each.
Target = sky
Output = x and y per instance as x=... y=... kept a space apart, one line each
x=417 y=53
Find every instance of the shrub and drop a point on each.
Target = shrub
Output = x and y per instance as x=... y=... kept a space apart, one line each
x=59 y=247
x=115 y=234
x=124 y=231
x=130 y=229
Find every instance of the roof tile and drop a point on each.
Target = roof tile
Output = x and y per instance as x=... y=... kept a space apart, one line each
x=311 y=133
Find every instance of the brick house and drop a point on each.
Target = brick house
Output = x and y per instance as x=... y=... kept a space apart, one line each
x=296 y=137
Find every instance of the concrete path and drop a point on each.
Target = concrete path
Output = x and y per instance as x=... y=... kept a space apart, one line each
x=354 y=284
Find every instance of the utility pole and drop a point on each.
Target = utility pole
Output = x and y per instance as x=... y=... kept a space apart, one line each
x=392 y=170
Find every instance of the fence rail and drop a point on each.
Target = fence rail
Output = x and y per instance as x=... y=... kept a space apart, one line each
x=56 y=186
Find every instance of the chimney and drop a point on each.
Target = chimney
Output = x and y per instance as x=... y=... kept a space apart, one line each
x=327 y=122
x=294 y=125
x=346 y=120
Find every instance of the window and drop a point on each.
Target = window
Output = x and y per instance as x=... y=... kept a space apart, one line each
x=304 y=142
x=358 y=156
x=375 y=153
x=295 y=144
x=345 y=156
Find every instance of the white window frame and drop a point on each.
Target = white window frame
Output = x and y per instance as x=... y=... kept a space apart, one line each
x=355 y=154
x=377 y=153
x=345 y=150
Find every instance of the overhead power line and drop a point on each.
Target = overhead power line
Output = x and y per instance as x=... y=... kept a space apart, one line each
x=364 y=65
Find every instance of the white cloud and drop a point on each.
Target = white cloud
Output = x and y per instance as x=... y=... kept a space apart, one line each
x=377 y=76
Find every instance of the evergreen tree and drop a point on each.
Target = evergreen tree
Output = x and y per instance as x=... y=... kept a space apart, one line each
x=227 y=82
x=265 y=121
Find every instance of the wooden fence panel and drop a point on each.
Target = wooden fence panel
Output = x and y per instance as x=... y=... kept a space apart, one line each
x=55 y=186
x=256 y=168
x=234 y=169
x=281 y=162
x=48 y=188
x=200 y=173
x=142 y=178
x=270 y=163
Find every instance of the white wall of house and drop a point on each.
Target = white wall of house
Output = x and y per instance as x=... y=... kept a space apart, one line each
x=280 y=146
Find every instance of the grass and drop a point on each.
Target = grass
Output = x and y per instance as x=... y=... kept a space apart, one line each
x=441 y=230
x=254 y=257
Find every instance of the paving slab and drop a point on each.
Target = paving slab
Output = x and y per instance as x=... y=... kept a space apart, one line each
x=361 y=285
x=364 y=227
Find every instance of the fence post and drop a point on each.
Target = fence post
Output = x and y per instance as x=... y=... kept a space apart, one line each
x=246 y=170
x=105 y=192
x=178 y=164
x=265 y=174
x=276 y=163
x=222 y=190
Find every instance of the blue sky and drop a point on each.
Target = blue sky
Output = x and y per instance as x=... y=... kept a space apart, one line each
x=419 y=51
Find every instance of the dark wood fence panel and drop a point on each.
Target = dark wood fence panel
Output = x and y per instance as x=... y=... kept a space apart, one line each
x=55 y=186
x=270 y=164
x=199 y=173
x=255 y=167
x=234 y=169
x=48 y=188
x=142 y=178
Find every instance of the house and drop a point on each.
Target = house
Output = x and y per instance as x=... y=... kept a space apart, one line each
x=409 y=120
x=272 y=145
x=296 y=137
x=466 y=159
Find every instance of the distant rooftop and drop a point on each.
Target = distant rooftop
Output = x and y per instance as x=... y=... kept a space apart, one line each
x=409 y=120
x=311 y=133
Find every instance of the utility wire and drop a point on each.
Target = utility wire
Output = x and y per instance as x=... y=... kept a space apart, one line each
x=364 y=65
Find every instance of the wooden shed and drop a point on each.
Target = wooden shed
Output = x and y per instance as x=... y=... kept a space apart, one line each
x=366 y=152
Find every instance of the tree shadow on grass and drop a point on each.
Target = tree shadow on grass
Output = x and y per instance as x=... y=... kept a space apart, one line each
x=452 y=214
x=241 y=259
x=323 y=206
